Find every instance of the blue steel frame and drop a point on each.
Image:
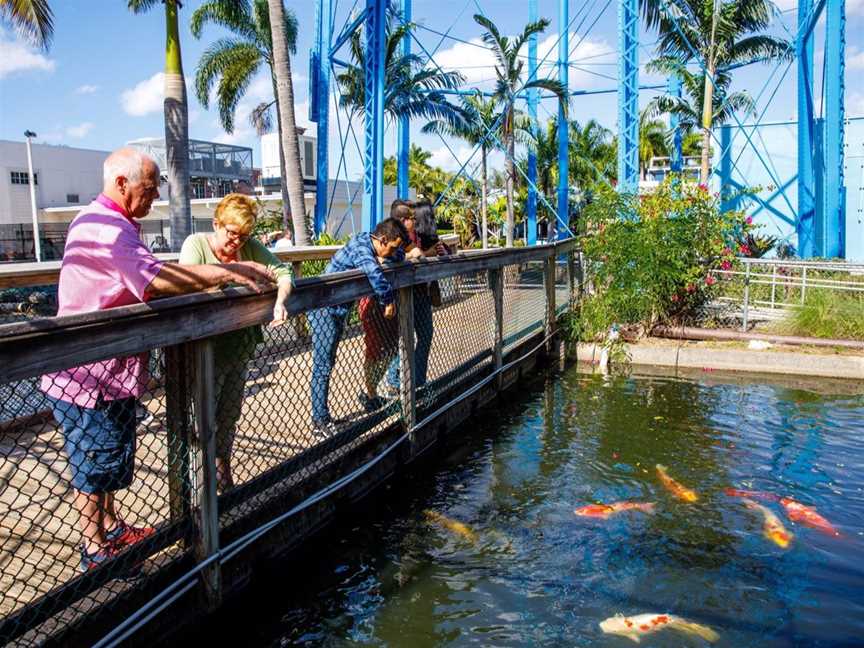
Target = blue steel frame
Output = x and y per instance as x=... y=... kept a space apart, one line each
x=831 y=243
x=531 y=204
x=563 y=130
x=403 y=135
x=373 y=118
x=628 y=96
x=806 y=176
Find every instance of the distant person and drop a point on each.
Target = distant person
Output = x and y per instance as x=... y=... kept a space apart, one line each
x=106 y=264
x=423 y=231
x=229 y=242
x=160 y=245
x=284 y=242
x=364 y=252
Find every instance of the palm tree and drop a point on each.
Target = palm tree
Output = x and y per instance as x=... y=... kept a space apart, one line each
x=508 y=86
x=234 y=62
x=591 y=154
x=176 y=123
x=719 y=34
x=480 y=118
x=411 y=89
x=290 y=143
x=653 y=141
x=32 y=19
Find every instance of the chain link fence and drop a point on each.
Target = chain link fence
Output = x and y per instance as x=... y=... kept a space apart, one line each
x=213 y=422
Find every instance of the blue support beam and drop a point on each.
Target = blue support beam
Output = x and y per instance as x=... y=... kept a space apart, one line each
x=403 y=135
x=320 y=108
x=833 y=244
x=531 y=205
x=726 y=182
x=563 y=131
x=805 y=222
x=673 y=88
x=373 y=124
x=628 y=96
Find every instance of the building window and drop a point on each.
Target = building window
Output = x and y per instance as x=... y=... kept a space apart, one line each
x=308 y=158
x=72 y=198
x=23 y=178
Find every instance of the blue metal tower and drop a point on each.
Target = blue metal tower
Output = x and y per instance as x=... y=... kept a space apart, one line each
x=806 y=177
x=563 y=132
x=531 y=204
x=403 y=135
x=833 y=225
x=373 y=124
x=628 y=95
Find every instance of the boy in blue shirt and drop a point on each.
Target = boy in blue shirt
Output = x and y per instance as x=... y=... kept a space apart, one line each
x=364 y=252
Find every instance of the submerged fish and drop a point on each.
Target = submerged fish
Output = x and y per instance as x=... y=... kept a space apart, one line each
x=763 y=495
x=459 y=528
x=807 y=516
x=772 y=527
x=678 y=490
x=636 y=627
x=604 y=511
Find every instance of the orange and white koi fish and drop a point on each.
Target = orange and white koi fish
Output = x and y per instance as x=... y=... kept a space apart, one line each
x=772 y=527
x=807 y=516
x=604 y=511
x=762 y=495
x=678 y=490
x=459 y=528
x=636 y=627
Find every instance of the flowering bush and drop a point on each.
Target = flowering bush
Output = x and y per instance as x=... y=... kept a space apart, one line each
x=653 y=257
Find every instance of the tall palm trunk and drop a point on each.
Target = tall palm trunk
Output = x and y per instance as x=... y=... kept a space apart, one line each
x=283 y=170
x=484 y=193
x=176 y=132
x=707 y=118
x=289 y=140
x=511 y=176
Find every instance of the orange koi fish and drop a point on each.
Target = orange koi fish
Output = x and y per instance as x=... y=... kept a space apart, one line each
x=454 y=526
x=763 y=495
x=807 y=516
x=772 y=528
x=636 y=627
x=678 y=490
x=604 y=511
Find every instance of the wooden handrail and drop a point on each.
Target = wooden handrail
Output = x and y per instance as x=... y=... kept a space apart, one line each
x=39 y=346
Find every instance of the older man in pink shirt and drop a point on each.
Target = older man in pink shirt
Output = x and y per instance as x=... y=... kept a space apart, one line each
x=106 y=264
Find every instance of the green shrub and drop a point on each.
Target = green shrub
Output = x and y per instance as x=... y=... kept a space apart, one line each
x=828 y=314
x=652 y=258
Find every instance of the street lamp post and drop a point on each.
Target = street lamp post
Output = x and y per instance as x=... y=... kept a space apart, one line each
x=32 y=182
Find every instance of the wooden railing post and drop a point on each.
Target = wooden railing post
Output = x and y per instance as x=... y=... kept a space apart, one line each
x=571 y=278
x=496 y=283
x=580 y=274
x=407 y=394
x=549 y=285
x=301 y=327
x=204 y=474
x=178 y=410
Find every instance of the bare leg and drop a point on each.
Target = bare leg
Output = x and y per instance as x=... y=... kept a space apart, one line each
x=90 y=510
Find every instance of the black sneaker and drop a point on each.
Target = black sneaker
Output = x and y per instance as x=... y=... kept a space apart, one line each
x=324 y=429
x=369 y=404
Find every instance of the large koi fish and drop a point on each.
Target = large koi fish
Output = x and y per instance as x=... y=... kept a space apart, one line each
x=604 y=511
x=636 y=627
x=678 y=490
x=458 y=528
x=772 y=527
x=807 y=516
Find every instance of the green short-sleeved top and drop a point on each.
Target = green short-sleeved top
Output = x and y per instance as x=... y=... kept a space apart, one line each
x=196 y=250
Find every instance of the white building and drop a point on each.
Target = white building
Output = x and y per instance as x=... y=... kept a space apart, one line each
x=270 y=167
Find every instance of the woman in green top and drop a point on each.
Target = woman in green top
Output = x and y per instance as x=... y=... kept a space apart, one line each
x=230 y=242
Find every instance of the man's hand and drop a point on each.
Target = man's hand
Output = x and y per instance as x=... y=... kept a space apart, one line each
x=250 y=274
x=390 y=311
x=280 y=314
x=415 y=253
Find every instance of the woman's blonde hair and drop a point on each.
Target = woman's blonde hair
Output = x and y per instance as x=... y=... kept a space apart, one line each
x=236 y=209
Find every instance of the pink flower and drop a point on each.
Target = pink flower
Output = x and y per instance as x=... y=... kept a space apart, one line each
x=743 y=249
x=674 y=298
x=726 y=251
x=703 y=187
x=710 y=281
x=690 y=288
x=726 y=265
x=749 y=220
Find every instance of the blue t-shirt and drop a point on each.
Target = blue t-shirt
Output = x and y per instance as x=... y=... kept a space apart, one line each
x=358 y=254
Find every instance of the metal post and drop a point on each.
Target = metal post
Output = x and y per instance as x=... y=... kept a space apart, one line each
x=746 y=297
x=835 y=69
x=531 y=203
x=321 y=90
x=571 y=278
x=580 y=275
x=819 y=233
x=804 y=224
x=803 y=284
x=496 y=282
x=373 y=124
x=549 y=289
x=726 y=168
x=673 y=88
x=628 y=95
x=563 y=130
x=407 y=394
x=204 y=474
x=403 y=135
x=31 y=180
x=773 y=283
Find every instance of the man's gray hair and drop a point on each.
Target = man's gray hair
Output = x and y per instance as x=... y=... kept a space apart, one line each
x=127 y=162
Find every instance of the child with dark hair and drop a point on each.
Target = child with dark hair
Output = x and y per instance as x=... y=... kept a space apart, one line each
x=364 y=252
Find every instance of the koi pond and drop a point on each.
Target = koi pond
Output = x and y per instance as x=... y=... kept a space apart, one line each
x=553 y=525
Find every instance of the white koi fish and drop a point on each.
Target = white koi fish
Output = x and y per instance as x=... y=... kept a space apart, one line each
x=636 y=627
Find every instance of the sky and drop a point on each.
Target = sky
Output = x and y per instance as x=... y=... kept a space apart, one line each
x=100 y=84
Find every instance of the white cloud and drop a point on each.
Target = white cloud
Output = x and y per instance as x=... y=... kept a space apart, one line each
x=15 y=56
x=80 y=130
x=853 y=7
x=86 y=89
x=854 y=58
x=146 y=97
x=461 y=153
x=855 y=105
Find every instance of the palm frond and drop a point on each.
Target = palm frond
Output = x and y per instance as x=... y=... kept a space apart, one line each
x=261 y=117
x=32 y=19
x=233 y=15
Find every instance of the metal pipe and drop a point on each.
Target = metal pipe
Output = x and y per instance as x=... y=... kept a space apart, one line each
x=694 y=333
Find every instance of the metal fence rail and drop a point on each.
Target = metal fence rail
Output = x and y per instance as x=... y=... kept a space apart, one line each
x=219 y=396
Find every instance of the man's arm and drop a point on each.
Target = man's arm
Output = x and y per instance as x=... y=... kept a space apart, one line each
x=176 y=279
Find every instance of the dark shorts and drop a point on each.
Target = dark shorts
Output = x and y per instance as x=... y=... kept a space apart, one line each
x=100 y=443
